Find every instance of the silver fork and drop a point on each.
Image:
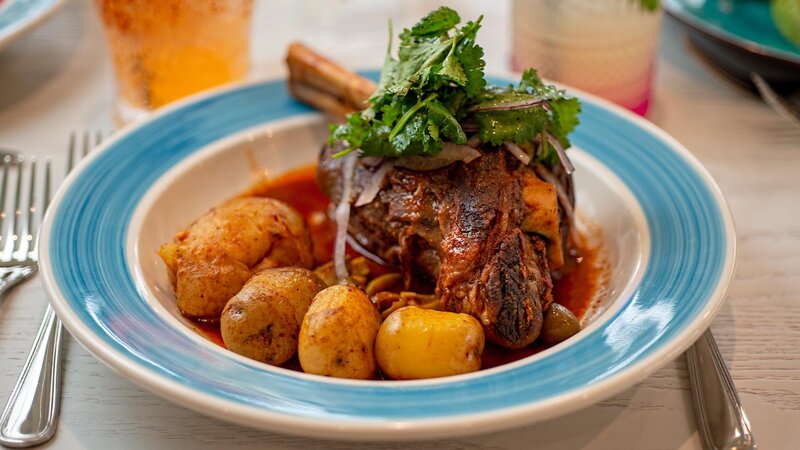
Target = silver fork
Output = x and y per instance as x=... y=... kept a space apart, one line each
x=17 y=226
x=31 y=414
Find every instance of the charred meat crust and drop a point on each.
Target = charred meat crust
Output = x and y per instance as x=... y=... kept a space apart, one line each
x=517 y=290
x=457 y=226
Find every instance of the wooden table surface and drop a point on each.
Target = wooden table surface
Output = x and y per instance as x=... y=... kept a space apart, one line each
x=58 y=79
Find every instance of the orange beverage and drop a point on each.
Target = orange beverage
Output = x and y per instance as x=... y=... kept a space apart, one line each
x=166 y=49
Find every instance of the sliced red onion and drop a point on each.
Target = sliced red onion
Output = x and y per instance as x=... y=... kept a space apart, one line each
x=563 y=198
x=465 y=153
x=518 y=152
x=562 y=155
x=371 y=161
x=474 y=141
x=507 y=106
x=448 y=155
x=373 y=184
x=366 y=253
x=469 y=127
x=342 y=216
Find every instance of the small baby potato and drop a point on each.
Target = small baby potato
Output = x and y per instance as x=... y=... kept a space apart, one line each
x=338 y=334
x=559 y=324
x=263 y=320
x=415 y=343
x=205 y=281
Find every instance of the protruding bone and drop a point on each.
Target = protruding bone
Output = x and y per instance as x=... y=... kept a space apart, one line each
x=322 y=83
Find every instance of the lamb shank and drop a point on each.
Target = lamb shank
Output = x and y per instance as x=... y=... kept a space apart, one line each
x=486 y=229
x=462 y=227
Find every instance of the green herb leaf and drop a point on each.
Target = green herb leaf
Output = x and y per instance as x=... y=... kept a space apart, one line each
x=498 y=98
x=444 y=120
x=437 y=82
x=531 y=83
x=530 y=80
x=516 y=126
x=377 y=143
x=517 y=114
x=416 y=57
x=433 y=130
x=436 y=22
x=470 y=55
x=394 y=110
x=452 y=69
x=415 y=138
x=565 y=118
x=407 y=115
x=352 y=133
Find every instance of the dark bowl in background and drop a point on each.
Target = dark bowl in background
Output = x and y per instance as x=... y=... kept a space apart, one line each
x=736 y=56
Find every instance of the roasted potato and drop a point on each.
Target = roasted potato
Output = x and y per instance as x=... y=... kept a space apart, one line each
x=208 y=261
x=338 y=334
x=415 y=343
x=206 y=280
x=263 y=320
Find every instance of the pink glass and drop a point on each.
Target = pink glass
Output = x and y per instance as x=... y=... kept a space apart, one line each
x=606 y=47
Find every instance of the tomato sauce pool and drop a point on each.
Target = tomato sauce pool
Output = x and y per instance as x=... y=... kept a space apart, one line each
x=575 y=287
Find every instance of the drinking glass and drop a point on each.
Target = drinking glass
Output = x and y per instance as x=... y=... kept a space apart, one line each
x=163 y=50
x=606 y=47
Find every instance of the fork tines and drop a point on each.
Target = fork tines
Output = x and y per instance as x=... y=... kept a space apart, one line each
x=88 y=142
x=23 y=199
x=25 y=192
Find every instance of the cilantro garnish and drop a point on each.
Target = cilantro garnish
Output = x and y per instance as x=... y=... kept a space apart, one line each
x=435 y=91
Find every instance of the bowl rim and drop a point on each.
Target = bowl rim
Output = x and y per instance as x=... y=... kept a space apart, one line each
x=30 y=14
x=358 y=429
x=678 y=11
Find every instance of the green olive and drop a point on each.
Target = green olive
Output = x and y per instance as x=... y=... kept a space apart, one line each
x=559 y=324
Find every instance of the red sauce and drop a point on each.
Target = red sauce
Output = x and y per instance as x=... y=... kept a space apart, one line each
x=298 y=188
x=574 y=286
x=494 y=355
x=209 y=330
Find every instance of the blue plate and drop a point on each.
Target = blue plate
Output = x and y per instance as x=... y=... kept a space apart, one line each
x=740 y=37
x=19 y=16
x=98 y=284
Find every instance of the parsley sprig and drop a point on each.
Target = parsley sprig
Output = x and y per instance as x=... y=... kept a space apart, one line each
x=435 y=91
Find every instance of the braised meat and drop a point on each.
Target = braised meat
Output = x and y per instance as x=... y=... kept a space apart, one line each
x=461 y=227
